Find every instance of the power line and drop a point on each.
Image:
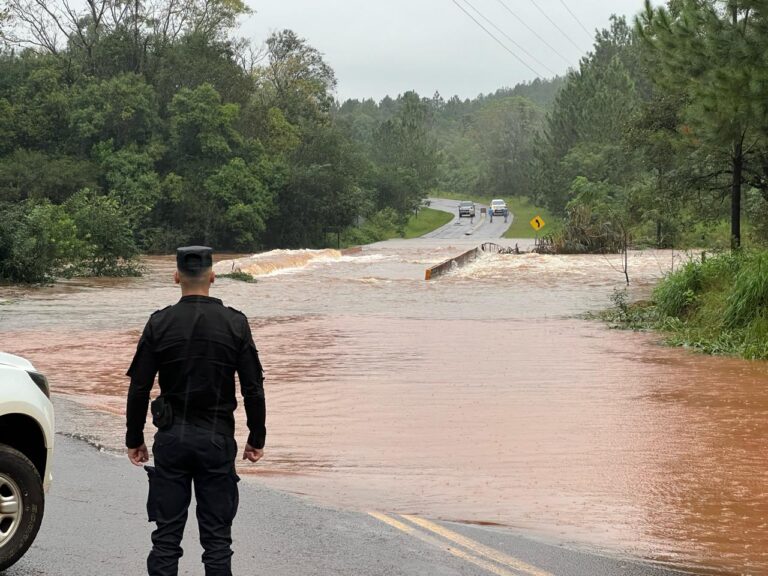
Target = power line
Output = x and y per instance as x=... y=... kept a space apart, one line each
x=533 y=31
x=523 y=62
x=577 y=19
x=555 y=25
x=519 y=47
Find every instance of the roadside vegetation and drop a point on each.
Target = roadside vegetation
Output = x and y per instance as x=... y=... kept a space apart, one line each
x=129 y=128
x=386 y=225
x=718 y=305
x=521 y=207
x=424 y=221
x=525 y=211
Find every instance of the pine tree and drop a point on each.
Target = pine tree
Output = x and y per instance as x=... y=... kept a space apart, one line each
x=715 y=50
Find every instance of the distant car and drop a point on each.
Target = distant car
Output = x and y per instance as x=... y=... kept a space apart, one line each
x=466 y=209
x=498 y=207
x=26 y=451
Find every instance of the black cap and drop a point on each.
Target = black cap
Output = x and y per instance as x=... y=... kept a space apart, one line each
x=194 y=258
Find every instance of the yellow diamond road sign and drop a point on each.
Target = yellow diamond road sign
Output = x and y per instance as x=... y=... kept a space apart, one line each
x=538 y=223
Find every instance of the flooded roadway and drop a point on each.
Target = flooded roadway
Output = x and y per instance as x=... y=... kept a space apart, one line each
x=480 y=397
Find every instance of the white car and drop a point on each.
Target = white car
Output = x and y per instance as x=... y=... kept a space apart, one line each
x=498 y=207
x=26 y=451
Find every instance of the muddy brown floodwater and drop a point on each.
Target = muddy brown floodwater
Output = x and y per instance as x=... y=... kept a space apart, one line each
x=480 y=397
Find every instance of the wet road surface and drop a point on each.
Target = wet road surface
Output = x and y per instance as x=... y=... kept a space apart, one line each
x=480 y=228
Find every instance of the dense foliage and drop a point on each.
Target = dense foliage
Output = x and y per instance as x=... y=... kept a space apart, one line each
x=136 y=127
x=130 y=127
x=718 y=305
x=663 y=128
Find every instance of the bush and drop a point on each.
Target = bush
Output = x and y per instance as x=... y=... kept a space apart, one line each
x=718 y=306
x=679 y=293
x=594 y=222
x=159 y=240
x=108 y=248
x=629 y=315
x=38 y=241
x=88 y=235
x=240 y=276
x=381 y=225
x=755 y=338
x=675 y=295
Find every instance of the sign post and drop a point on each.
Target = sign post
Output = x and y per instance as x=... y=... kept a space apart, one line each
x=537 y=224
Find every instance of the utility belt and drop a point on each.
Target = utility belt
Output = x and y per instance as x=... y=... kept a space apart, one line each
x=162 y=413
x=164 y=416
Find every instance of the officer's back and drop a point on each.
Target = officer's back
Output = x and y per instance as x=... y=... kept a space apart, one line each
x=195 y=346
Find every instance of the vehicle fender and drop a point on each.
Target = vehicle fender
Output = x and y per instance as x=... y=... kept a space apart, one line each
x=20 y=395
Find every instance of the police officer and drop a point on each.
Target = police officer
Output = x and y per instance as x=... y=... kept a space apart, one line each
x=196 y=346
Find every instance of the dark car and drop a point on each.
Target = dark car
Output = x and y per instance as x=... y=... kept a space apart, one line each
x=466 y=209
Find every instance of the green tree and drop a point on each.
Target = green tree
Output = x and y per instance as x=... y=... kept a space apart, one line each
x=202 y=128
x=122 y=109
x=32 y=174
x=505 y=130
x=407 y=157
x=77 y=31
x=584 y=131
x=239 y=205
x=38 y=241
x=197 y=59
x=107 y=245
x=129 y=177
x=295 y=79
x=662 y=152
x=324 y=192
x=38 y=103
x=716 y=49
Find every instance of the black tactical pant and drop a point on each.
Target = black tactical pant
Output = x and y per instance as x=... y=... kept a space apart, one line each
x=186 y=455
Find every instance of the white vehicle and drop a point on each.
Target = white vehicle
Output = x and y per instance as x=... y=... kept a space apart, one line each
x=26 y=451
x=498 y=207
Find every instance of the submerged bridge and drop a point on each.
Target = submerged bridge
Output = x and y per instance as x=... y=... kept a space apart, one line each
x=466 y=257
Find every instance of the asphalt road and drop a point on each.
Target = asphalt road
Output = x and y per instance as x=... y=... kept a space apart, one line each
x=95 y=525
x=480 y=228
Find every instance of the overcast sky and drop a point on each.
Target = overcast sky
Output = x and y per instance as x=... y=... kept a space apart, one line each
x=391 y=46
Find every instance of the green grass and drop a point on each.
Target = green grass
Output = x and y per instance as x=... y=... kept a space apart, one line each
x=521 y=208
x=719 y=306
x=385 y=225
x=426 y=221
x=524 y=212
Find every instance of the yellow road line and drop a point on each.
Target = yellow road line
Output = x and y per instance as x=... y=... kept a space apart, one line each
x=411 y=531
x=477 y=547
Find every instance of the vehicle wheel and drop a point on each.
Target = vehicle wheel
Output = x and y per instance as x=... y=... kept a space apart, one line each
x=22 y=502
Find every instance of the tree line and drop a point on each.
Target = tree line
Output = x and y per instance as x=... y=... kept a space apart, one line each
x=130 y=127
x=662 y=130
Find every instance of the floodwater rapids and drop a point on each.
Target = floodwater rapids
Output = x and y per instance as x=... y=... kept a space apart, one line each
x=483 y=396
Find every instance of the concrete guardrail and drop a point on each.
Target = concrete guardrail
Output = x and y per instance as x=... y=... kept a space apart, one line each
x=452 y=263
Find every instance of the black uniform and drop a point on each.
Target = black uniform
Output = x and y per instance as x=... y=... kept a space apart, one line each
x=196 y=346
